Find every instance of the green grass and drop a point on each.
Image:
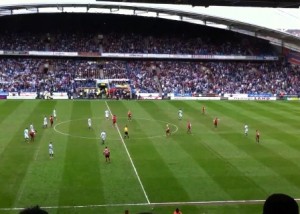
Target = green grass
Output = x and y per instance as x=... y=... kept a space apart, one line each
x=158 y=173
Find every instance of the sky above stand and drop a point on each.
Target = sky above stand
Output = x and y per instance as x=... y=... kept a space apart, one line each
x=274 y=18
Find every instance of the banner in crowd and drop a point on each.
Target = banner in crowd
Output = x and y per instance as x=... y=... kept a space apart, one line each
x=195 y=98
x=239 y=96
x=88 y=54
x=290 y=97
x=33 y=95
x=21 y=95
x=293 y=98
x=250 y=96
x=60 y=95
x=148 y=96
x=182 y=95
x=139 y=55
x=195 y=95
x=15 y=52
x=52 y=53
x=3 y=95
x=260 y=95
x=189 y=56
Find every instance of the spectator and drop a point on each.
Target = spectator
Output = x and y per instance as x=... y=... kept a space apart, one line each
x=280 y=204
x=33 y=210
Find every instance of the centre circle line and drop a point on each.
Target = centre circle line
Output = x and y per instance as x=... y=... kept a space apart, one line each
x=95 y=138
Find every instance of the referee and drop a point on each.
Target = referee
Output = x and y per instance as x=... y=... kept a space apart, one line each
x=126 y=135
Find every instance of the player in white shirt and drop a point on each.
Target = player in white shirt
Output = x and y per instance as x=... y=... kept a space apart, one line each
x=103 y=136
x=26 y=135
x=54 y=114
x=107 y=114
x=31 y=128
x=246 y=130
x=180 y=114
x=90 y=123
x=51 y=152
x=45 y=123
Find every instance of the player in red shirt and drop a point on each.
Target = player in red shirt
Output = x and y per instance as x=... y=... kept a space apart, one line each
x=168 y=131
x=216 y=120
x=32 y=135
x=114 y=120
x=129 y=115
x=189 y=127
x=203 y=109
x=106 y=154
x=177 y=211
x=257 y=136
x=51 y=120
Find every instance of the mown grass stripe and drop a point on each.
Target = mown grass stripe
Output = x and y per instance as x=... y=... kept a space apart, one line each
x=7 y=120
x=146 y=164
x=129 y=156
x=269 y=126
x=239 y=159
x=127 y=179
x=13 y=163
x=81 y=172
x=171 y=154
x=196 y=152
x=269 y=113
x=271 y=160
x=42 y=169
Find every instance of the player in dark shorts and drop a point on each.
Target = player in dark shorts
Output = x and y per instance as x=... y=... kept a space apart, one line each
x=168 y=131
x=114 y=120
x=106 y=154
x=129 y=115
x=216 y=120
x=51 y=120
x=189 y=128
x=126 y=135
x=257 y=136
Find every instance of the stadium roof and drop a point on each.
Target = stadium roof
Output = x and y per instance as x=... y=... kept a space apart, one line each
x=196 y=15
x=230 y=3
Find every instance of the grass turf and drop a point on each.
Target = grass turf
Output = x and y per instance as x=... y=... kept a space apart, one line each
x=213 y=165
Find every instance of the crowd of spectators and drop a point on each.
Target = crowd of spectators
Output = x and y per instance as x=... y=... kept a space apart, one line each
x=132 y=43
x=177 y=44
x=31 y=75
x=247 y=78
x=63 y=42
x=55 y=75
x=218 y=77
x=23 y=75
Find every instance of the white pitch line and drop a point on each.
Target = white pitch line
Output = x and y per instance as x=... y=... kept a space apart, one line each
x=188 y=203
x=209 y=202
x=131 y=161
x=79 y=206
x=96 y=138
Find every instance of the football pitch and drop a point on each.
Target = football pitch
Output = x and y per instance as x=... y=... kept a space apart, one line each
x=211 y=170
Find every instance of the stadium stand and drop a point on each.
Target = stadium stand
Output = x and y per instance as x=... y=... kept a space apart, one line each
x=175 y=77
x=76 y=75
x=109 y=35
